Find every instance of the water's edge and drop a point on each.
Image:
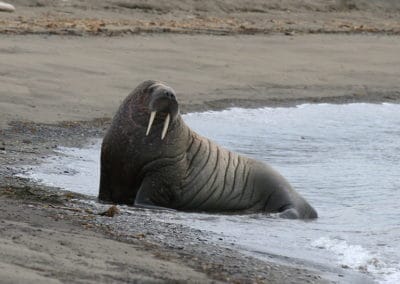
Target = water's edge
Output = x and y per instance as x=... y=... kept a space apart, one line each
x=332 y=238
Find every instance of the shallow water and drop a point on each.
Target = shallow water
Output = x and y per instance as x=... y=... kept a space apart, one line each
x=344 y=159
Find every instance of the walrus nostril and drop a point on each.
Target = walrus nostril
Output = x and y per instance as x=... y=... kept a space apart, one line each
x=169 y=95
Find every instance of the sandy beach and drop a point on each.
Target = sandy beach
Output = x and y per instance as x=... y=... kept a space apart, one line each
x=65 y=66
x=52 y=79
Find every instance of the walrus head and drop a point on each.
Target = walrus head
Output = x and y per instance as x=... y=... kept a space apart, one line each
x=153 y=107
x=162 y=102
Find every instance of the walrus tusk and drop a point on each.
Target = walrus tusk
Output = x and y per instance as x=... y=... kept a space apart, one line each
x=165 y=128
x=152 y=116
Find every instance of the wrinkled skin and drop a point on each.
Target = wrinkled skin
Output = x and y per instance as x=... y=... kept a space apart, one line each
x=184 y=171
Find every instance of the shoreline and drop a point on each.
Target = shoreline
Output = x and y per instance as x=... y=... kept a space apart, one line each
x=31 y=208
x=67 y=65
x=34 y=124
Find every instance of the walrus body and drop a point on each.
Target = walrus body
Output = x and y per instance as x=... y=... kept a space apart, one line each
x=151 y=158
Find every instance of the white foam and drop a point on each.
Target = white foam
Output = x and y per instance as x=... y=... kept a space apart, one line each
x=359 y=258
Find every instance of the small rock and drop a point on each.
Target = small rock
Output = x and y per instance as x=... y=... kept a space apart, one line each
x=89 y=211
x=69 y=195
x=87 y=225
x=140 y=236
x=5 y=7
x=110 y=212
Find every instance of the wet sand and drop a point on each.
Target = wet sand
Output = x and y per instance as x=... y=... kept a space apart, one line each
x=53 y=236
x=41 y=245
x=62 y=90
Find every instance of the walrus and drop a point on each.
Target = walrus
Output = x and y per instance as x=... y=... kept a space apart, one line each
x=150 y=158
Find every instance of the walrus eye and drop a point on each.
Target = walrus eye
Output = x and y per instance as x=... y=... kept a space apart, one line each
x=165 y=127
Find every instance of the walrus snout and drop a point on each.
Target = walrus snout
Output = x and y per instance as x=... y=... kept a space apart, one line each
x=162 y=90
x=162 y=99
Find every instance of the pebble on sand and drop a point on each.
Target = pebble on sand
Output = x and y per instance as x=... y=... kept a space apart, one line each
x=5 y=7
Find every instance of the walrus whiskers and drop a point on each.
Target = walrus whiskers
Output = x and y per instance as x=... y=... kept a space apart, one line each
x=165 y=128
x=152 y=116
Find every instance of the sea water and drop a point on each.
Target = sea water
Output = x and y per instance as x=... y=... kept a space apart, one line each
x=344 y=159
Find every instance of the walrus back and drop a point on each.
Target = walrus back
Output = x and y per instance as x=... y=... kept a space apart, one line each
x=217 y=179
x=220 y=180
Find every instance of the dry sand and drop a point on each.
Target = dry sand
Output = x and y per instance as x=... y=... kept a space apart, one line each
x=52 y=78
x=318 y=53
x=221 y=17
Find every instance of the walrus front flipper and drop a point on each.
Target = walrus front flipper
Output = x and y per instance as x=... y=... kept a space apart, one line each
x=302 y=211
x=145 y=196
x=290 y=213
